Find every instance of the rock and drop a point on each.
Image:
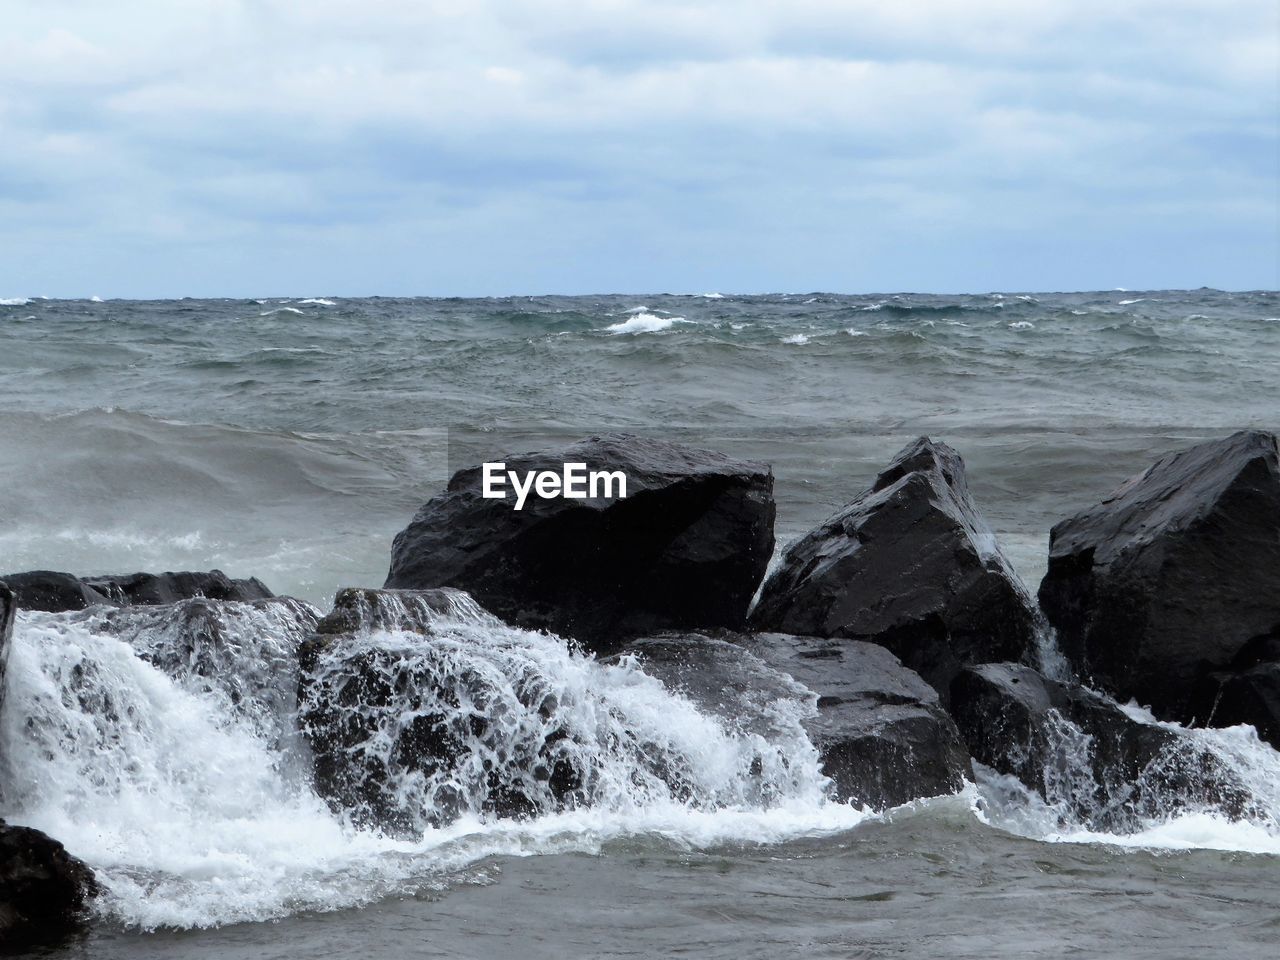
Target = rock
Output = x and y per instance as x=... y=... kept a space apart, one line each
x=909 y=565
x=1248 y=692
x=55 y=592
x=44 y=891
x=147 y=589
x=1099 y=763
x=1168 y=578
x=881 y=735
x=686 y=548
x=408 y=731
x=7 y=611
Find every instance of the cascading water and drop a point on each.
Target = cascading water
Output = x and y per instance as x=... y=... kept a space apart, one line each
x=164 y=756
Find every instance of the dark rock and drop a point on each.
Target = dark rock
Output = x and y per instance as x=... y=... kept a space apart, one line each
x=909 y=565
x=53 y=592
x=1168 y=578
x=413 y=733
x=8 y=609
x=881 y=735
x=148 y=589
x=686 y=548
x=1247 y=692
x=44 y=891
x=1083 y=752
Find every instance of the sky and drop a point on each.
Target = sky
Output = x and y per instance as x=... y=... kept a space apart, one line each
x=161 y=148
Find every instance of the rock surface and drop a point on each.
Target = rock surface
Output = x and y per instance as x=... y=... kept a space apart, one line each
x=686 y=548
x=909 y=565
x=44 y=891
x=881 y=735
x=7 y=611
x=1247 y=692
x=1079 y=750
x=1169 y=577
x=56 y=592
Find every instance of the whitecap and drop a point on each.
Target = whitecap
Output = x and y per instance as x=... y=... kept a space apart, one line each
x=267 y=313
x=797 y=338
x=319 y=302
x=712 y=296
x=95 y=299
x=1022 y=325
x=854 y=332
x=14 y=301
x=643 y=323
x=1125 y=303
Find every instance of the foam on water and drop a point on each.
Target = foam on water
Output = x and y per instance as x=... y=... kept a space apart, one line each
x=14 y=301
x=319 y=302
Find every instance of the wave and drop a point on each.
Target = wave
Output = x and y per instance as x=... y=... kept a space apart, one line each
x=644 y=322
x=14 y=301
x=319 y=302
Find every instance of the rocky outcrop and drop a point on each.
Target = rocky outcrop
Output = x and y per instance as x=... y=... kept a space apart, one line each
x=686 y=548
x=55 y=592
x=44 y=891
x=1168 y=578
x=1100 y=763
x=7 y=611
x=881 y=735
x=1247 y=692
x=909 y=565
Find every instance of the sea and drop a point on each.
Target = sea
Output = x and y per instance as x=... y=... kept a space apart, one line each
x=290 y=438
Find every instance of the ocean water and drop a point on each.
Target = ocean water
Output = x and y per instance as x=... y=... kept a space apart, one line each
x=291 y=438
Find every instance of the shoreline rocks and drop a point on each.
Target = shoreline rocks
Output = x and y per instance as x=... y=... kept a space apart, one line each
x=686 y=548
x=44 y=891
x=909 y=565
x=881 y=734
x=1166 y=579
x=53 y=591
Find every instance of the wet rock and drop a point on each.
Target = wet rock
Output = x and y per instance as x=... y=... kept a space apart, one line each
x=55 y=592
x=1101 y=763
x=407 y=730
x=686 y=548
x=1248 y=692
x=7 y=611
x=909 y=565
x=1168 y=578
x=157 y=588
x=44 y=891
x=881 y=735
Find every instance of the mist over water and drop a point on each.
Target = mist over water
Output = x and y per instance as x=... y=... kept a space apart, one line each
x=291 y=439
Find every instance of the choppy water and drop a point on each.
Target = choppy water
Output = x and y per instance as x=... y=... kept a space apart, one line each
x=291 y=439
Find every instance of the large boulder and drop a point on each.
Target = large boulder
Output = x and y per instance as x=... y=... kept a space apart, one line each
x=44 y=891
x=56 y=592
x=687 y=547
x=1099 y=763
x=909 y=565
x=1168 y=578
x=1246 y=692
x=881 y=735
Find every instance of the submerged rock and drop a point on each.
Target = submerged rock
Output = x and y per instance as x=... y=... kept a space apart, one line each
x=1102 y=764
x=44 y=891
x=686 y=548
x=1169 y=577
x=55 y=592
x=881 y=735
x=909 y=565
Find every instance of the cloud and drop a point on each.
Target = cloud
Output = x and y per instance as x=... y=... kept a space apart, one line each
x=763 y=142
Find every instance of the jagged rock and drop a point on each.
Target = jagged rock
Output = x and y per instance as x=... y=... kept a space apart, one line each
x=1168 y=578
x=1102 y=764
x=909 y=565
x=686 y=548
x=1248 y=692
x=380 y=715
x=7 y=611
x=55 y=592
x=138 y=589
x=44 y=891
x=881 y=735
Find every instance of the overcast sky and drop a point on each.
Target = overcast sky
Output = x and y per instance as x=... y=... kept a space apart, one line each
x=464 y=147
